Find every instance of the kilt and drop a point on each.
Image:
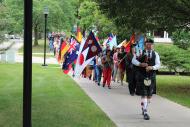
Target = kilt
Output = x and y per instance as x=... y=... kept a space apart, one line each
x=143 y=90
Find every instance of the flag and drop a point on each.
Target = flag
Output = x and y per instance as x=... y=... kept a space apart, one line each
x=140 y=45
x=72 y=55
x=87 y=51
x=94 y=47
x=128 y=44
x=110 y=37
x=132 y=39
x=79 y=35
x=63 y=49
x=113 y=42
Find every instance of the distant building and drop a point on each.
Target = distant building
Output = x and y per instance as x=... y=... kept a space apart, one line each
x=162 y=37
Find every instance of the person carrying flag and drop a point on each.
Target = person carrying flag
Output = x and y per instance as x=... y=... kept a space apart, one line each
x=121 y=63
x=131 y=71
x=107 y=61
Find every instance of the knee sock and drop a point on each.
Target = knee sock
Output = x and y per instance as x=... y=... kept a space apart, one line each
x=145 y=104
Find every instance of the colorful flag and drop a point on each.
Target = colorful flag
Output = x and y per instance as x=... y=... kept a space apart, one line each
x=110 y=37
x=72 y=55
x=94 y=47
x=128 y=44
x=140 y=45
x=132 y=39
x=113 y=42
x=88 y=50
x=79 y=35
x=63 y=49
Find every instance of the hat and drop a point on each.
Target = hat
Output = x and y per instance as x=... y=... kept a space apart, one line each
x=149 y=41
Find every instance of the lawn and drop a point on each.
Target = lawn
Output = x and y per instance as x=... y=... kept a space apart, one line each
x=56 y=102
x=175 y=88
x=39 y=48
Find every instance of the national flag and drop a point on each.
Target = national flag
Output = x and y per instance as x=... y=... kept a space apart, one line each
x=132 y=39
x=140 y=45
x=63 y=49
x=128 y=44
x=110 y=37
x=88 y=50
x=113 y=42
x=71 y=56
x=79 y=35
x=94 y=47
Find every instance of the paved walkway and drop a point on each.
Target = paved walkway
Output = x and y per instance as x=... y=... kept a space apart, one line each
x=125 y=110
x=12 y=55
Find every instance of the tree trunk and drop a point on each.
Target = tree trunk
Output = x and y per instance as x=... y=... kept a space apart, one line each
x=35 y=36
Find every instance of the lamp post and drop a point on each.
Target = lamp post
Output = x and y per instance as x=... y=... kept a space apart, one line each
x=46 y=12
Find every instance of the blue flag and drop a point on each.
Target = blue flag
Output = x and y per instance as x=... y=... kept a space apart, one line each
x=72 y=54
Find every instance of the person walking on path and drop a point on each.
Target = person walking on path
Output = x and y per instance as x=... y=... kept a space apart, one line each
x=147 y=65
x=98 y=68
x=131 y=71
x=107 y=61
x=115 y=69
x=121 y=63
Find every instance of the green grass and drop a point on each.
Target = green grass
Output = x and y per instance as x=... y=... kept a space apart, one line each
x=48 y=55
x=56 y=102
x=175 y=88
x=42 y=55
x=39 y=48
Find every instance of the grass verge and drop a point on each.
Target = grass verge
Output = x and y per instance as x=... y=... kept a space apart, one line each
x=56 y=102
x=175 y=88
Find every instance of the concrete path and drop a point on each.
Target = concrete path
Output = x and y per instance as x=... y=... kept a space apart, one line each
x=12 y=55
x=125 y=110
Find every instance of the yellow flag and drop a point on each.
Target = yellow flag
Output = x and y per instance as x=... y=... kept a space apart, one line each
x=79 y=35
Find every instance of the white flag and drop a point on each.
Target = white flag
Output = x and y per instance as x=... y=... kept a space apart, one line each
x=81 y=63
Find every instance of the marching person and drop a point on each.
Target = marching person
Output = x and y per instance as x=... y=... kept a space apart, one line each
x=121 y=63
x=107 y=61
x=147 y=65
x=115 y=69
x=130 y=71
x=99 y=68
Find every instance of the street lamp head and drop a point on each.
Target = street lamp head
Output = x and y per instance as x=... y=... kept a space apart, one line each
x=46 y=10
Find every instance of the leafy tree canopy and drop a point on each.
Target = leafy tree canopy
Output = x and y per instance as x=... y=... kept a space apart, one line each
x=145 y=15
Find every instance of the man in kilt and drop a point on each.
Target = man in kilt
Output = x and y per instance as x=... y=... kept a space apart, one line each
x=147 y=64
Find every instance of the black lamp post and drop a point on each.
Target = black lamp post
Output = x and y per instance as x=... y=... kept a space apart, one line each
x=46 y=12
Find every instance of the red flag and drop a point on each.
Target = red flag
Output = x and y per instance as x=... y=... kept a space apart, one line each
x=94 y=47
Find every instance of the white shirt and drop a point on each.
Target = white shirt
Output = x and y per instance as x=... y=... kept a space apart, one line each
x=157 y=61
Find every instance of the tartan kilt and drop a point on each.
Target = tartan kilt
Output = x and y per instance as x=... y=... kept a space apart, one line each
x=143 y=90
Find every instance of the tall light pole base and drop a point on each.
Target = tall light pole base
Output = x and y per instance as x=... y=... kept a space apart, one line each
x=44 y=65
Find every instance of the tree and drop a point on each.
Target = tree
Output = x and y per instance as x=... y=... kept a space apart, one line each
x=91 y=18
x=60 y=18
x=148 y=15
x=181 y=38
x=174 y=58
x=12 y=16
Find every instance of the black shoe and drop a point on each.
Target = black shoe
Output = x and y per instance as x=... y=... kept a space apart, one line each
x=103 y=85
x=98 y=84
x=146 y=116
x=109 y=87
x=132 y=94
